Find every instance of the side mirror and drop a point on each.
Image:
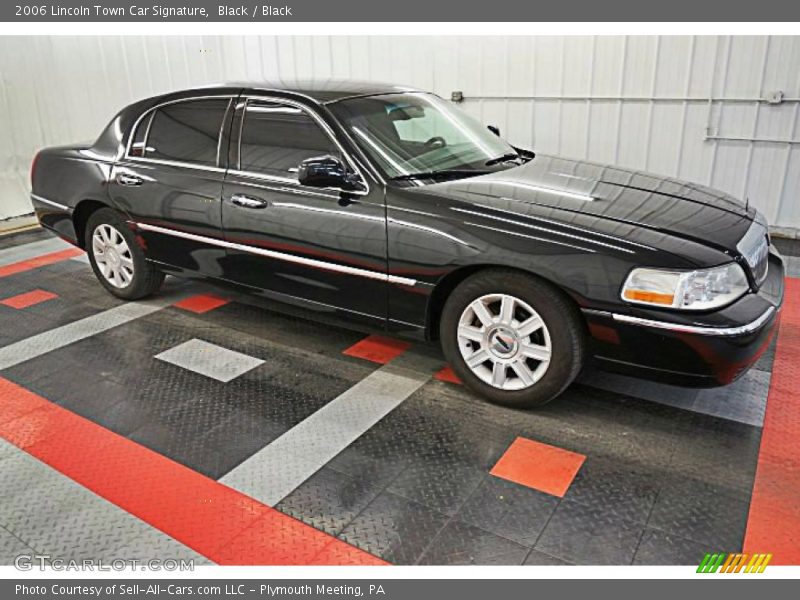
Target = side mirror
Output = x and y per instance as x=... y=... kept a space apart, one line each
x=494 y=129
x=329 y=172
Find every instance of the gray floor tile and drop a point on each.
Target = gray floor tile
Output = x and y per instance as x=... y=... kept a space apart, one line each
x=11 y=547
x=210 y=360
x=744 y=400
x=155 y=545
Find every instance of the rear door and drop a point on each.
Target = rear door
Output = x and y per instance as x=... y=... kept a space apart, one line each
x=314 y=244
x=170 y=182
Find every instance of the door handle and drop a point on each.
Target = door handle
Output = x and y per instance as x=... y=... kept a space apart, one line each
x=248 y=201
x=125 y=179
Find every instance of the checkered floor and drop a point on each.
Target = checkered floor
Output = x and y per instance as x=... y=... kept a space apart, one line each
x=365 y=449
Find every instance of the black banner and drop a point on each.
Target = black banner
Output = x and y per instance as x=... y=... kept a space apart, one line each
x=393 y=589
x=405 y=11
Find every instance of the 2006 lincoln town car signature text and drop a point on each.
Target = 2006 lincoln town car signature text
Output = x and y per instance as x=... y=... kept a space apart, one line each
x=153 y=10
x=388 y=208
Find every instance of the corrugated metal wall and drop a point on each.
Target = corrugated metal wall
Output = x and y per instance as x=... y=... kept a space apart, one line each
x=691 y=107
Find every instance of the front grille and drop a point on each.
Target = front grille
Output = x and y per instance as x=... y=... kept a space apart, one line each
x=754 y=247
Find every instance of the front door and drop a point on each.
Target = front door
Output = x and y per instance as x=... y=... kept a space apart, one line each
x=170 y=183
x=299 y=242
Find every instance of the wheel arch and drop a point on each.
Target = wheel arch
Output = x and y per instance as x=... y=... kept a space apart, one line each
x=441 y=292
x=80 y=217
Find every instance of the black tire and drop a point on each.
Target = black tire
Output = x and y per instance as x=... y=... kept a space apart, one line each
x=146 y=279
x=561 y=318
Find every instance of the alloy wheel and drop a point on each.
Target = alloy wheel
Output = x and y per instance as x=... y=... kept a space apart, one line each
x=504 y=342
x=112 y=255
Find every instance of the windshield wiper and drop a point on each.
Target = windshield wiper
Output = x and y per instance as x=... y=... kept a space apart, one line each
x=505 y=158
x=439 y=173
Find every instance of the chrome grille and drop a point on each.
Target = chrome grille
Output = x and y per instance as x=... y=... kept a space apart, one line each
x=754 y=247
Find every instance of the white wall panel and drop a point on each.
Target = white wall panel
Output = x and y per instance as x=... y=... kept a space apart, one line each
x=641 y=102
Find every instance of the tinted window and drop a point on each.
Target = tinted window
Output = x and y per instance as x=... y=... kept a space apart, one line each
x=187 y=131
x=276 y=138
x=416 y=133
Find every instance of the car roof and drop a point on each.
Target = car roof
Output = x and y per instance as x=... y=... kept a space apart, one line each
x=320 y=90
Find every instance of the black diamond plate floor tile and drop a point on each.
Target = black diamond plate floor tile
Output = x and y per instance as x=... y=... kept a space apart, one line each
x=589 y=536
x=624 y=490
x=123 y=417
x=662 y=548
x=190 y=450
x=701 y=512
x=355 y=461
x=509 y=510
x=395 y=529
x=15 y=325
x=437 y=432
x=541 y=559
x=719 y=452
x=462 y=544
x=442 y=486
x=329 y=500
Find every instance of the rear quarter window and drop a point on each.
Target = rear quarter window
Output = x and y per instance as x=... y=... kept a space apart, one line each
x=186 y=132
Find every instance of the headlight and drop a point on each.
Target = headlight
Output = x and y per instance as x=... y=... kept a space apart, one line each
x=686 y=290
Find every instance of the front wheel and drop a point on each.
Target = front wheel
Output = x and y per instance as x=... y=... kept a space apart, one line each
x=512 y=338
x=117 y=260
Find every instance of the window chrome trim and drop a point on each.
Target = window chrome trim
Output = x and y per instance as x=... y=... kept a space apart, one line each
x=152 y=110
x=247 y=97
x=309 y=262
x=51 y=203
x=282 y=184
x=695 y=329
x=175 y=163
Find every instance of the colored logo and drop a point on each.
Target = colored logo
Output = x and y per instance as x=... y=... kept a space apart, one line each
x=734 y=563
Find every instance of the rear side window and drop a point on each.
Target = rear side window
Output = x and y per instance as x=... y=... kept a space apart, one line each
x=276 y=138
x=184 y=132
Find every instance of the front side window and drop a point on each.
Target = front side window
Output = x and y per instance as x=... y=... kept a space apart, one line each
x=186 y=132
x=418 y=133
x=276 y=138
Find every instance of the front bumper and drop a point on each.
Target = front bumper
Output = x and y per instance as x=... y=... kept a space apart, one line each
x=690 y=349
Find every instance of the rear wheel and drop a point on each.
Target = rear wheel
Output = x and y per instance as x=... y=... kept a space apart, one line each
x=117 y=260
x=512 y=338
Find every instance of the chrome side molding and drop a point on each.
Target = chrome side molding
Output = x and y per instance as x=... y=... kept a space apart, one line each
x=301 y=260
x=694 y=329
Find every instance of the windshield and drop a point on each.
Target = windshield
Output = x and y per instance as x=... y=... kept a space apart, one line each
x=408 y=134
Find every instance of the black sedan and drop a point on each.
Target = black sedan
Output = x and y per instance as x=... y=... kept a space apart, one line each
x=387 y=207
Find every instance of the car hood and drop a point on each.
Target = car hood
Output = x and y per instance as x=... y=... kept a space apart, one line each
x=558 y=185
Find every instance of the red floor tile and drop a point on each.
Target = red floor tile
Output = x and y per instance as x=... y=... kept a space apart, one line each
x=39 y=261
x=201 y=303
x=214 y=520
x=28 y=299
x=539 y=466
x=378 y=349
x=448 y=375
x=773 y=524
